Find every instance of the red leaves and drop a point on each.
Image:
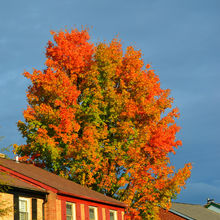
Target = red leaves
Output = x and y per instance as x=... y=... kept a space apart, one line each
x=73 y=52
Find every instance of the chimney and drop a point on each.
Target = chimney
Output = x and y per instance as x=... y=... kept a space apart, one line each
x=2 y=155
x=17 y=159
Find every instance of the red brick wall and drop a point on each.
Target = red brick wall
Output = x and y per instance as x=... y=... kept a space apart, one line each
x=166 y=215
x=50 y=206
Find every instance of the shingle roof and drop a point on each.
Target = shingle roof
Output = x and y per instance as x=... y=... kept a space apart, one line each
x=59 y=183
x=6 y=179
x=197 y=212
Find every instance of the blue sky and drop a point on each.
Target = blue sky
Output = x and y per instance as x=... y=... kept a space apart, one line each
x=179 y=38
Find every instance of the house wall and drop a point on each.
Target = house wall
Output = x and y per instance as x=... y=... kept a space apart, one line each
x=103 y=213
x=50 y=206
x=40 y=209
x=54 y=208
x=82 y=209
x=6 y=200
x=58 y=209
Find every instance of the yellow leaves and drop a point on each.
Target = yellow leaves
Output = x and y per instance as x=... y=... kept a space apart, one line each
x=109 y=56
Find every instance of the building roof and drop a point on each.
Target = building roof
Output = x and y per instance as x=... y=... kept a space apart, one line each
x=7 y=180
x=62 y=185
x=192 y=211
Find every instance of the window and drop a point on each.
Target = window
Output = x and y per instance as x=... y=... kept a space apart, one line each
x=24 y=210
x=70 y=211
x=93 y=213
x=113 y=215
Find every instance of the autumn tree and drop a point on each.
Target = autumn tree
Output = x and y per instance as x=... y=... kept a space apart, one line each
x=99 y=117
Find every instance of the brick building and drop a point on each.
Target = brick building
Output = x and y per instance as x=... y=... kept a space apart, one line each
x=36 y=194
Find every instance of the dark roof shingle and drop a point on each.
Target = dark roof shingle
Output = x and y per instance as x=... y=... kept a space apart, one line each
x=7 y=180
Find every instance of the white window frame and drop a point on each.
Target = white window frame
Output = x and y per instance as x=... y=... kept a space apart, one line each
x=96 y=211
x=114 y=213
x=28 y=206
x=73 y=209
